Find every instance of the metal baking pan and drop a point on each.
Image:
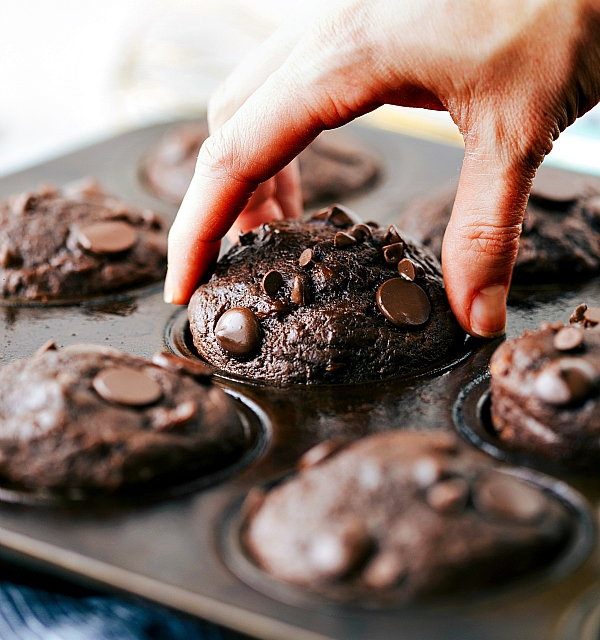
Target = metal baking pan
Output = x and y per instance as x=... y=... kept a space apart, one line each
x=181 y=548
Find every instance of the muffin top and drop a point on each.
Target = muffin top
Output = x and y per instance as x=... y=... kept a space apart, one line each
x=401 y=515
x=75 y=242
x=329 y=300
x=92 y=418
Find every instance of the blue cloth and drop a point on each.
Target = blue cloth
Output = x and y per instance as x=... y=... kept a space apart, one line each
x=33 y=614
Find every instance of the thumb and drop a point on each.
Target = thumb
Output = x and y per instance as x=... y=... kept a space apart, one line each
x=482 y=238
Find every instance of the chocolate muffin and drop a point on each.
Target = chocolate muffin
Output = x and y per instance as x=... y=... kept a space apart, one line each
x=328 y=300
x=545 y=388
x=560 y=240
x=333 y=166
x=401 y=516
x=94 y=419
x=75 y=243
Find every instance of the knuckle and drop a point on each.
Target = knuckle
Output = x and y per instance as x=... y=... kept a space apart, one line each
x=488 y=239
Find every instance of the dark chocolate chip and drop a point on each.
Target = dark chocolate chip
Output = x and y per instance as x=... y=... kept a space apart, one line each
x=578 y=315
x=193 y=368
x=505 y=498
x=271 y=282
x=591 y=316
x=393 y=253
x=343 y=240
x=449 y=496
x=238 y=332
x=392 y=235
x=403 y=303
x=126 y=385
x=555 y=189
x=372 y=224
x=566 y=380
x=49 y=345
x=306 y=258
x=568 y=338
x=361 y=232
x=9 y=257
x=246 y=239
x=23 y=203
x=385 y=570
x=337 y=214
x=300 y=294
x=321 y=452
x=110 y=236
x=406 y=269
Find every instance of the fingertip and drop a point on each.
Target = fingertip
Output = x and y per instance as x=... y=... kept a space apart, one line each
x=487 y=317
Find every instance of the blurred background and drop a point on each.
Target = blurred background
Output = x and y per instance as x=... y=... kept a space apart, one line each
x=76 y=71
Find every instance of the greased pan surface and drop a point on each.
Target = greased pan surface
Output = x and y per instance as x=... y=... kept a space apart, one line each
x=174 y=550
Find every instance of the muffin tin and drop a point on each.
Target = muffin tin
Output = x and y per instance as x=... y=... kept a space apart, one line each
x=182 y=547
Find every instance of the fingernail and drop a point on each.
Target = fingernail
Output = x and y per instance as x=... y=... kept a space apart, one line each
x=488 y=312
x=168 y=289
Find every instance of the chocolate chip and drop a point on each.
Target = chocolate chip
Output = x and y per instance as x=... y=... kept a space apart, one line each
x=406 y=269
x=337 y=214
x=505 y=498
x=372 y=224
x=306 y=258
x=300 y=293
x=193 y=368
x=106 y=237
x=403 y=303
x=23 y=203
x=271 y=282
x=555 y=189
x=568 y=338
x=361 y=232
x=385 y=570
x=449 y=496
x=321 y=452
x=566 y=380
x=49 y=345
x=392 y=235
x=335 y=553
x=126 y=385
x=591 y=316
x=343 y=240
x=9 y=257
x=578 y=315
x=392 y=254
x=246 y=239
x=427 y=470
x=238 y=332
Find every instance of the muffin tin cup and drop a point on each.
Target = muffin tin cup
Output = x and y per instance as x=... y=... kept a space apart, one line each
x=178 y=339
x=577 y=549
x=257 y=429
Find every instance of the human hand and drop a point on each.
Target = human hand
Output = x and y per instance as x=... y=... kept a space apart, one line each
x=511 y=73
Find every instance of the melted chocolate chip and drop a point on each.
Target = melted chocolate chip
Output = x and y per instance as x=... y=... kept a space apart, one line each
x=300 y=293
x=566 y=380
x=449 y=496
x=504 y=498
x=271 y=282
x=403 y=303
x=406 y=269
x=392 y=254
x=306 y=258
x=321 y=452
x=343 y=240
x=568 y=338
x=238 y=332
x=392 y=235
x=193 y=368
x=126 y=385
x=107 y=237
x=361 y=232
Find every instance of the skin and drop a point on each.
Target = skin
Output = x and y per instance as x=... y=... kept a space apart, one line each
x=512 y=74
